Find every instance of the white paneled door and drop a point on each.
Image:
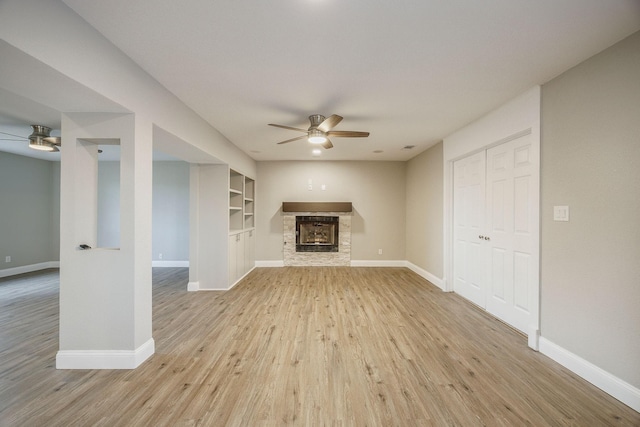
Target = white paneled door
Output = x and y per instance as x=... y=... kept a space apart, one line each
x=494 y=258
x=469 y=257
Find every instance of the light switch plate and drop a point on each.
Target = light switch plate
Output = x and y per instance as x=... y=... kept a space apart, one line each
x=561 y=213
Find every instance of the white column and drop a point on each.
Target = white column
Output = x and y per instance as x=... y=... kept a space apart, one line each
x=105 y=293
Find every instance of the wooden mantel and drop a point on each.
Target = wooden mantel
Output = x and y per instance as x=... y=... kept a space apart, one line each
x=317 y=207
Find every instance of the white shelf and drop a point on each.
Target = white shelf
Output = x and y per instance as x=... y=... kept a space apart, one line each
x=241 y=202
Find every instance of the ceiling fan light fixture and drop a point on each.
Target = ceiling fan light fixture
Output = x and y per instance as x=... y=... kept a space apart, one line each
x=41 y=145
x=317 y=137
x=40 y=139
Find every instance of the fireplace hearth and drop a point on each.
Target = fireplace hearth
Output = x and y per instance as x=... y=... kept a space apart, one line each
x=317 y=233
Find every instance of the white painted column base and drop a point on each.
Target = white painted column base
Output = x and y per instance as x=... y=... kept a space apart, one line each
x=105 y=359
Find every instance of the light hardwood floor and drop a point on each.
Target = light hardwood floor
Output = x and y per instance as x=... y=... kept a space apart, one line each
x=295 y=346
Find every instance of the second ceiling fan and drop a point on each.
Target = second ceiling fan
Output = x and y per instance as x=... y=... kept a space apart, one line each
x=321 y=129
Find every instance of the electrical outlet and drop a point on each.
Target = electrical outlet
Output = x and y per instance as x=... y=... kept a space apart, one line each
x=379 y=251
x=7 y=258
x=159 y=256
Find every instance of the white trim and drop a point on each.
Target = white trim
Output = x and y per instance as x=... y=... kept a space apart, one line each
x=243 y=276
x=105 y=359
x=28 y=268
x=425 y=274
x=195 y=286
x=621 y=390
x=270 y=263
x=378 y=263
x=159 y=263
x=533 y=338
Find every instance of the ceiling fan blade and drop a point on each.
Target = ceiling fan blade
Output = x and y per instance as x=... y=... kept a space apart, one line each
x=348 y=134
x=329 y=123
x=327 y=144
x=293 y=139
x=11 y=134
x=288 y=127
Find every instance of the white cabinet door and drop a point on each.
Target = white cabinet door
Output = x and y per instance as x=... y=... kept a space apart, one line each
x=233 y=259
x=240 y=269
x=249 y=250
x=494 y=250
x=469 y=257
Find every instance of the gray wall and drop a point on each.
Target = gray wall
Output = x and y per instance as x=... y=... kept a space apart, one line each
x=29 y=211
x=170 y=208
x=377 y=190
x=108 y=204
x=590 y=266
x=171 y=211
x=424 y=238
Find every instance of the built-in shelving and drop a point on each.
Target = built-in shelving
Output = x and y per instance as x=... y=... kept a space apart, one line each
x=241 y=225
x=241 y=202
x=249 y=190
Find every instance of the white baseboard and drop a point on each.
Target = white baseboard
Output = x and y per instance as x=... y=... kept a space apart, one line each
x=28 y=268
x=159 y=263
x=276 y=263
x=621 y=390
x=105 y=359
x=193 y=286
x=425 y=274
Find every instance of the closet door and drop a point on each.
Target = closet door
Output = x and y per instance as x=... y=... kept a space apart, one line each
x=510 y=204
x=469 y=256
x=494 y=202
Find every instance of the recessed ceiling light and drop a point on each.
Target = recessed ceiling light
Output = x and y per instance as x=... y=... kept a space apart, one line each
x=408 y=147
x=316 y=152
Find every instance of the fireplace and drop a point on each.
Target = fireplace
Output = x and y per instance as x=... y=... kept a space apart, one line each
x=327 y=244
x=317 y=233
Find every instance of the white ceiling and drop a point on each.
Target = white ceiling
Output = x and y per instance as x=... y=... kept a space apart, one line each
x=410 y=72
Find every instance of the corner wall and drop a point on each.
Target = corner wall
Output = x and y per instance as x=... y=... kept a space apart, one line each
x=424 y=235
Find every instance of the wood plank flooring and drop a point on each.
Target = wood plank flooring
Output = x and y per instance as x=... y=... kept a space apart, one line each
x=317 y=346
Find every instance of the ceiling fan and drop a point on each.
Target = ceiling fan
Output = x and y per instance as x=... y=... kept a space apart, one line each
x=320 y=131
x=40 y=139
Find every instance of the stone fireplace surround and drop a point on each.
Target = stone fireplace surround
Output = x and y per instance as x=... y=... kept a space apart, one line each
x=343 y=210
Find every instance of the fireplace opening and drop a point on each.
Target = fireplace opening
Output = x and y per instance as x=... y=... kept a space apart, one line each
x=317 y=233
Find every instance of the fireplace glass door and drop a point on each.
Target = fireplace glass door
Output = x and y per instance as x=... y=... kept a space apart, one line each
x=317 y=233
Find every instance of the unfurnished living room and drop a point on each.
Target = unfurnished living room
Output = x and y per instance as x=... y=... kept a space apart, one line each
x=319 y=212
